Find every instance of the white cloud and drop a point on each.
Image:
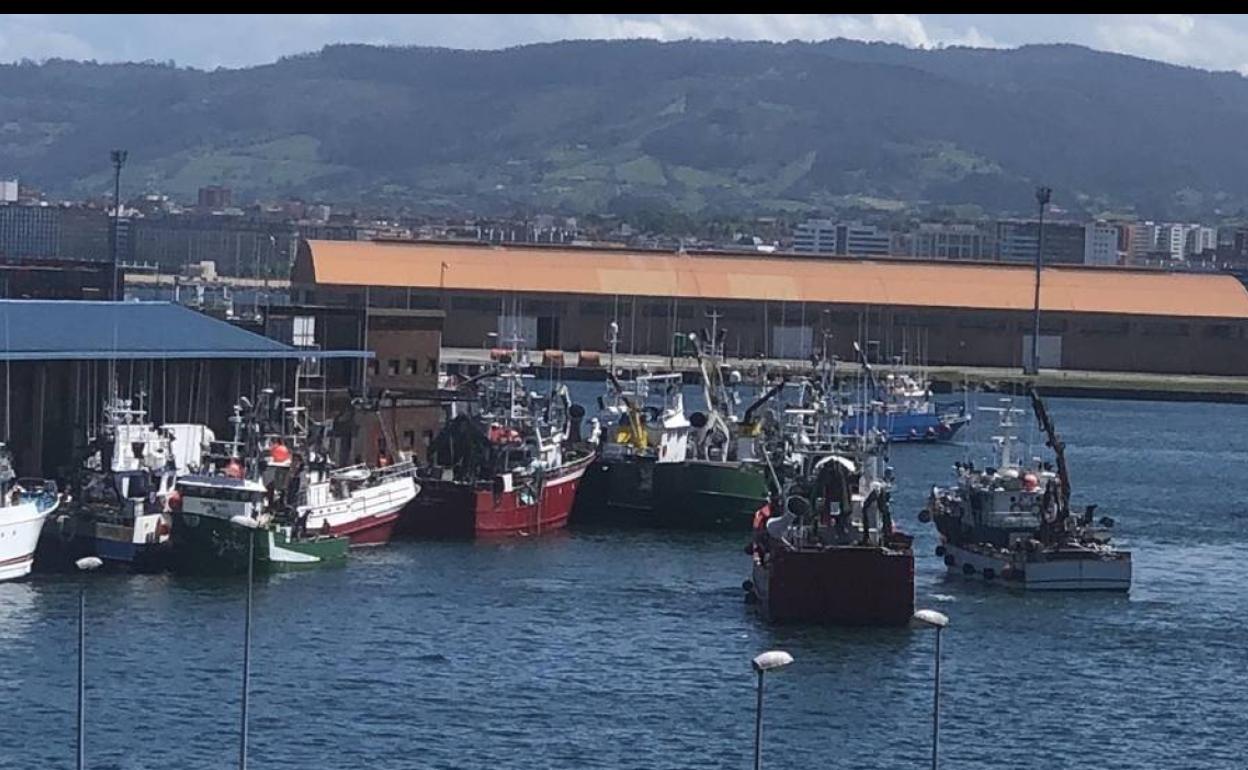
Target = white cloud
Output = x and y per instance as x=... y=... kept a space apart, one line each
x=34 y=36
x=1208 y=42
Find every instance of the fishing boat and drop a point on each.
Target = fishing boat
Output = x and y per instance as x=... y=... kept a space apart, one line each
x=358 y=502
x=1012 y=523
x=825 y=548
x=246 y=498
x=506 y=465
x=660 y=469
x=24 y=506
x=640 y=425
x=121 y=511
x=723 y=481
x=902 y=406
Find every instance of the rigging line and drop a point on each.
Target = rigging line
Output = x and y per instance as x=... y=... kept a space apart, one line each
x=7 y=380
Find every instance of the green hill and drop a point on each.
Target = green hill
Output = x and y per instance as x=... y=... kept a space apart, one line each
x=699 y=126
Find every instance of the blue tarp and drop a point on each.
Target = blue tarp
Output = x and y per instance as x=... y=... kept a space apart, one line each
x=61 y=330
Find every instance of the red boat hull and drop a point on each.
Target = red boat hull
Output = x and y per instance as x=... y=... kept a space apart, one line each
x=374 y=530
x=450 y=509
x=849 y=585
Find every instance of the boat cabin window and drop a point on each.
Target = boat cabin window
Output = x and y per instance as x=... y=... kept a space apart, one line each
x=227 y=494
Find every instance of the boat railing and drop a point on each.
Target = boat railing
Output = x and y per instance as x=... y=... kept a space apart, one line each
x=376 y=475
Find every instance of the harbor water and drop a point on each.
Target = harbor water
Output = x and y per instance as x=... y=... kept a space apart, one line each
x=631 y=650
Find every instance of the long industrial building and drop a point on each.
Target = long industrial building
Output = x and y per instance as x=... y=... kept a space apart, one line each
x=787 y=306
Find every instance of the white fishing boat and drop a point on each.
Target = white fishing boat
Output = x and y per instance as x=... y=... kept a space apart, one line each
x=359 y=502
x=24 y=506
x=1012 y=522
x=122 y=511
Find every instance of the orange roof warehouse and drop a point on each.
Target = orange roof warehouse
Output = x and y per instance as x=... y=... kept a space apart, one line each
x=785 y=306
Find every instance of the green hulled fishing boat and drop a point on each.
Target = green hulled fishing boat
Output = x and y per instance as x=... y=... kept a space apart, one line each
x=659 y=469
x=243 y=507
x=219 y=513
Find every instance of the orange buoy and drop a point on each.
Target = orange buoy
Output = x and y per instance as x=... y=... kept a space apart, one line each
x=280 y=453
x=234 y=469
x=1030 y=482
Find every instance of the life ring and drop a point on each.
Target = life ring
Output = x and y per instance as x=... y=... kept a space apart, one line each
x=968 y=569
x=950 y=561
x=940 y=550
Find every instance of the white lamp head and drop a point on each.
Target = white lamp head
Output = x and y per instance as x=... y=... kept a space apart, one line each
x=772 y=659
x=932 y=618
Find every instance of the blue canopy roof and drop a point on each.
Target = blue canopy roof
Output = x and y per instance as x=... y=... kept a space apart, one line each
x=59 y=330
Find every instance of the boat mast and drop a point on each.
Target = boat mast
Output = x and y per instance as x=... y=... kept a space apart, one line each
x=1056 y=444
x=613 y=339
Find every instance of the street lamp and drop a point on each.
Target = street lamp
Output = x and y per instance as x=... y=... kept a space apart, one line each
x=85 y=564
x=1043 y=194
x=765 y=662
x=118 y=158
x=938 y=621
x=249 y=525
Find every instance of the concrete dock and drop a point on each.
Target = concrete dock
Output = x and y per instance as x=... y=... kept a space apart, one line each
x=1055 y=382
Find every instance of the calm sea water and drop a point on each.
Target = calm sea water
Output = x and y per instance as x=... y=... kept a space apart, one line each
x=631 y=650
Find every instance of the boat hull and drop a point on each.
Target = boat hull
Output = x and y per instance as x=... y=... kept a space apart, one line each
x=690 y=495
x=20 y=526
x=902 y=427
x=80 y=533
x=368 y=518
x=209 y=545
x=1059 y=571
x=374 y=530
x=450 y=509
x=844 y=585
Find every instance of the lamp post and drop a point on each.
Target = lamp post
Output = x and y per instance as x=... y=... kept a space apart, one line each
x=938 y=621
x=86 y=564
x=767 y=661
x=118 y=157
x=1043 y=194
x=249 y=525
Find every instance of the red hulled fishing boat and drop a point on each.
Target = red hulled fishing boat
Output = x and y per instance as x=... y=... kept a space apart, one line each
x=507 y=465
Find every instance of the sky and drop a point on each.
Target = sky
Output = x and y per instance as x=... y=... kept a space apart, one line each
x=1208 y=41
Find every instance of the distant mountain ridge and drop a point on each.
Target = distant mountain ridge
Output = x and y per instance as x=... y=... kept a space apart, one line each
x=697 y=127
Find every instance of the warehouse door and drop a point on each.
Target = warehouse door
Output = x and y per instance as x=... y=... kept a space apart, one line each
x=548 y=332
x=791 y=341
x=1050 y=350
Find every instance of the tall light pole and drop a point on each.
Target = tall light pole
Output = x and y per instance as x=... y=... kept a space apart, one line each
x=86 y=564
x=765 y=662
x=118 y=158
x=1043 y=194
x=248 y=525
x=938 y=621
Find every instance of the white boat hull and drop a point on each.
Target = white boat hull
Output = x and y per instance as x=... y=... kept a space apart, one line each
x=368 y=515
x=19 y=534
x=1089 y=571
